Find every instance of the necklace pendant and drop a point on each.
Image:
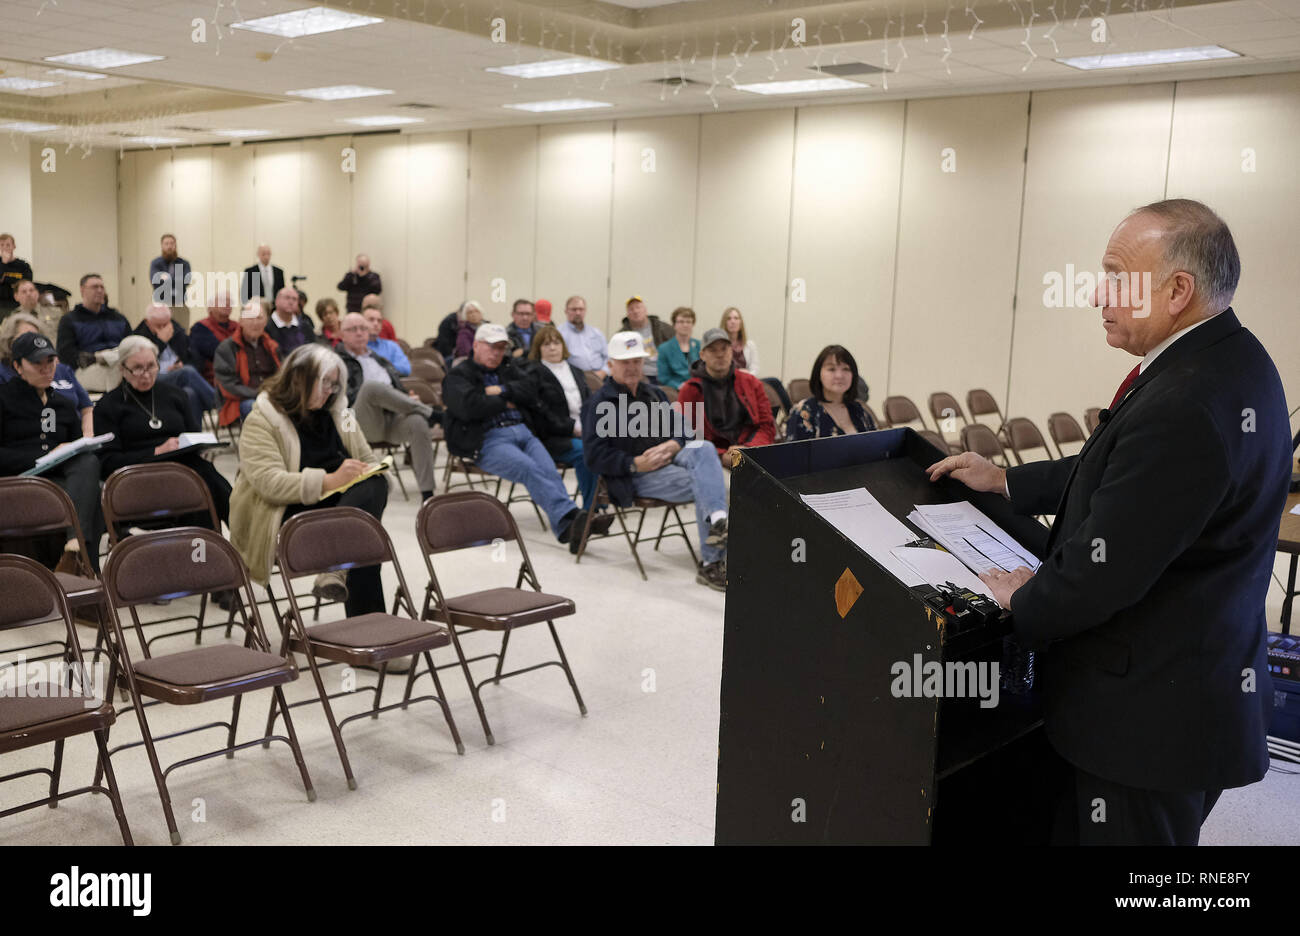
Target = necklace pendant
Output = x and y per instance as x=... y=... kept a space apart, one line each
x=155 y=423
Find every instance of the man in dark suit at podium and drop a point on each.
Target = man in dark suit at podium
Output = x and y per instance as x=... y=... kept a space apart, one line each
x=1149 y=604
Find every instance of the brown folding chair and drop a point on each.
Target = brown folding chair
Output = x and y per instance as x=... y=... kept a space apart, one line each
x=1064 y=430
x=50 y=711
x=799 y=389
x=406 y=348
x=425 y=354
x=430 y=394
x=639 y=505
x=671 y=392
x=900 y=411
x=329 y=540
x=1023 y=436
x=155 y=491
x=779 y=414
x=471 y=518
x=980 y=403
x=594 y=383
x=431 y=344
x=945 y=411
x=178 y=563
x=1092 y=418
x=938 y=441
x=35 y=506
x=427 y=369
x=880 y=423
x=980 y=439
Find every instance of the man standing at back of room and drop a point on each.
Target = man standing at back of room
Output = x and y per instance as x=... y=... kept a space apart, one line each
x=359 y=282
x=1149 y=603
x=169 y=274
x=261 y=280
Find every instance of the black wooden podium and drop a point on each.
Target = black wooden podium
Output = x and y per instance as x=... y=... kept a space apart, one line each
x=809 y=728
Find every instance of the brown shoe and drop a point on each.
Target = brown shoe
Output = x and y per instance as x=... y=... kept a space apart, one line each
x=68 y=563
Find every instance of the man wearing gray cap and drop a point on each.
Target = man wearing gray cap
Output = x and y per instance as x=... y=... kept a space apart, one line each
x=736 y=412
x=487 y=397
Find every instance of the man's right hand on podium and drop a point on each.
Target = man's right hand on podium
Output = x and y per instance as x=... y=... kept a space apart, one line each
x=974 y=471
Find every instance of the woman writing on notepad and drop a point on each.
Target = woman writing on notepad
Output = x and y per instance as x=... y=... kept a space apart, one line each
x=300 y=443
x=147 y=417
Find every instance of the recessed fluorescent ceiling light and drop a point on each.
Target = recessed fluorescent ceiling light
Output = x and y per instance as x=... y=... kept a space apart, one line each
x=381 y=121
x=69 y=73
x=307 y=22
x=24 y=84
x=103 y=58
x=242 y=133
x=154 y=140
x=567 y=104
x=23 y=126
x=338 y=92
x=554 y=68
x=802 y=86
x=1158 y=57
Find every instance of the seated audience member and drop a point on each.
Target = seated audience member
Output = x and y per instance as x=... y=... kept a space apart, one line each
x=384 y=347
x=286 y=327
x=736 y=412
x=243 y=361
x=652 y=331
x=668 y=466
x=386 y=412
x=743 y=351
x=587 y=346
x=834 y=408
x=468 y=329
x=359 y=282
x=13 y=270
x=678 y=353
x=298 y=445
x=36 y=420
x=175 y=363
x=449 y=329
x=208 y=333
x=557 y=419
x=27 y=298
x=486 y=397
x=146 y=416
x=327 y=310
x=376 y=301
x=542 y=309
x=522 y=327
x=90 y=331
x=65 y=379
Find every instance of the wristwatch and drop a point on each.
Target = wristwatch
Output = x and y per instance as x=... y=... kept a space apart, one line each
x=632 y=467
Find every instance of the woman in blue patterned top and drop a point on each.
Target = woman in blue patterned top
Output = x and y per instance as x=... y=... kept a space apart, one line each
x=834 y=408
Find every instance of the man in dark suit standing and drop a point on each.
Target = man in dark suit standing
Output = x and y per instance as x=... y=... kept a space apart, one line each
x=1149 y=604
x=261 y=280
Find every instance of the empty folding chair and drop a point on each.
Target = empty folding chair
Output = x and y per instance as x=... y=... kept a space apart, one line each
x=1023 y=437
x=51 y=711
x=177 y=563
x=778 y=409
x=622 y=514
x=935 y=439
x=947 y=414
x=901 y=411
x=333 y=539
x=406 y=348
x=799 y=389
x=469 y=518
x=430 y=394
x=160 y=491
x=879 y=422
x=982 y=440
x=1065 y=430
x=1092 y=418
x=983 y=408
x=427 y=369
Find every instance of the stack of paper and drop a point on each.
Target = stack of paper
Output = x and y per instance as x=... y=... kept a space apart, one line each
x=966 y=532
x=866 y=523
x=50 y=459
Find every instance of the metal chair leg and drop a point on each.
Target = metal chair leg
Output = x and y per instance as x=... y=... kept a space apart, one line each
x=564 y=662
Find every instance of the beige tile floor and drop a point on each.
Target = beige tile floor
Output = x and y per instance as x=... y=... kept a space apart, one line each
x=641 y=769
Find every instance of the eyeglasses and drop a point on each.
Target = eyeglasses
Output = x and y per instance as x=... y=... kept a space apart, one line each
x=329 y=386
x=141 y=371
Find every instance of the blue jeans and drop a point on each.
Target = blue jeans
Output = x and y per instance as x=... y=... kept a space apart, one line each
x=202 y=395
x=245 y=407
x=514 y=453
x=695 y=474
x=586 y=480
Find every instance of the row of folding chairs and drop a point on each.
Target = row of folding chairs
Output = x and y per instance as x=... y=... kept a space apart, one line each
x=184 y=562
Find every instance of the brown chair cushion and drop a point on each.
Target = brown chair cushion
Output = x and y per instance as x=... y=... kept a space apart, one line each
x=377 y=630
x=79 y=585
x=207 y=665
x=497 y=608
x=26 y=711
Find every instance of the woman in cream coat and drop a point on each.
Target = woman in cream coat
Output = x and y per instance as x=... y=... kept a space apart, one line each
x=297 y=445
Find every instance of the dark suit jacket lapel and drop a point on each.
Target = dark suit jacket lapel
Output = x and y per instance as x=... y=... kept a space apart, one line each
x=1201 y=338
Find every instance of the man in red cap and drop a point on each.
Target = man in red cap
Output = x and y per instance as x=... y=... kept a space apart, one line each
x=542 y=308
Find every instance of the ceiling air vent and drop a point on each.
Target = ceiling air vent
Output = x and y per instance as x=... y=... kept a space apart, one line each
x=848 y=69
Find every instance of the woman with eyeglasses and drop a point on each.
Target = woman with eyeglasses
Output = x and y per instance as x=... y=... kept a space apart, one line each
x=300 y=443
x=146 y=417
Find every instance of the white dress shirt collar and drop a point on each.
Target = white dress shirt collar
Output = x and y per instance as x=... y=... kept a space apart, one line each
x=1149 y=358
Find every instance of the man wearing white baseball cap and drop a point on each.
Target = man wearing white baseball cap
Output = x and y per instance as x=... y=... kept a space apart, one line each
x=625 y=440
x=488 y=399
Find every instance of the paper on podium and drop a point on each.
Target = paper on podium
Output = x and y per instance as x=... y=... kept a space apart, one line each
x=869 y=526
x=966 y=532
x=937 y=567
x=374 y=470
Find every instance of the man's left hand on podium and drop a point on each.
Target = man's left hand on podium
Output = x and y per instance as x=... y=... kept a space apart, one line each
x=1004 y=584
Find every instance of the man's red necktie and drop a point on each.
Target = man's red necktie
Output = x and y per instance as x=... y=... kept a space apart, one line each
x=1123 y=388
